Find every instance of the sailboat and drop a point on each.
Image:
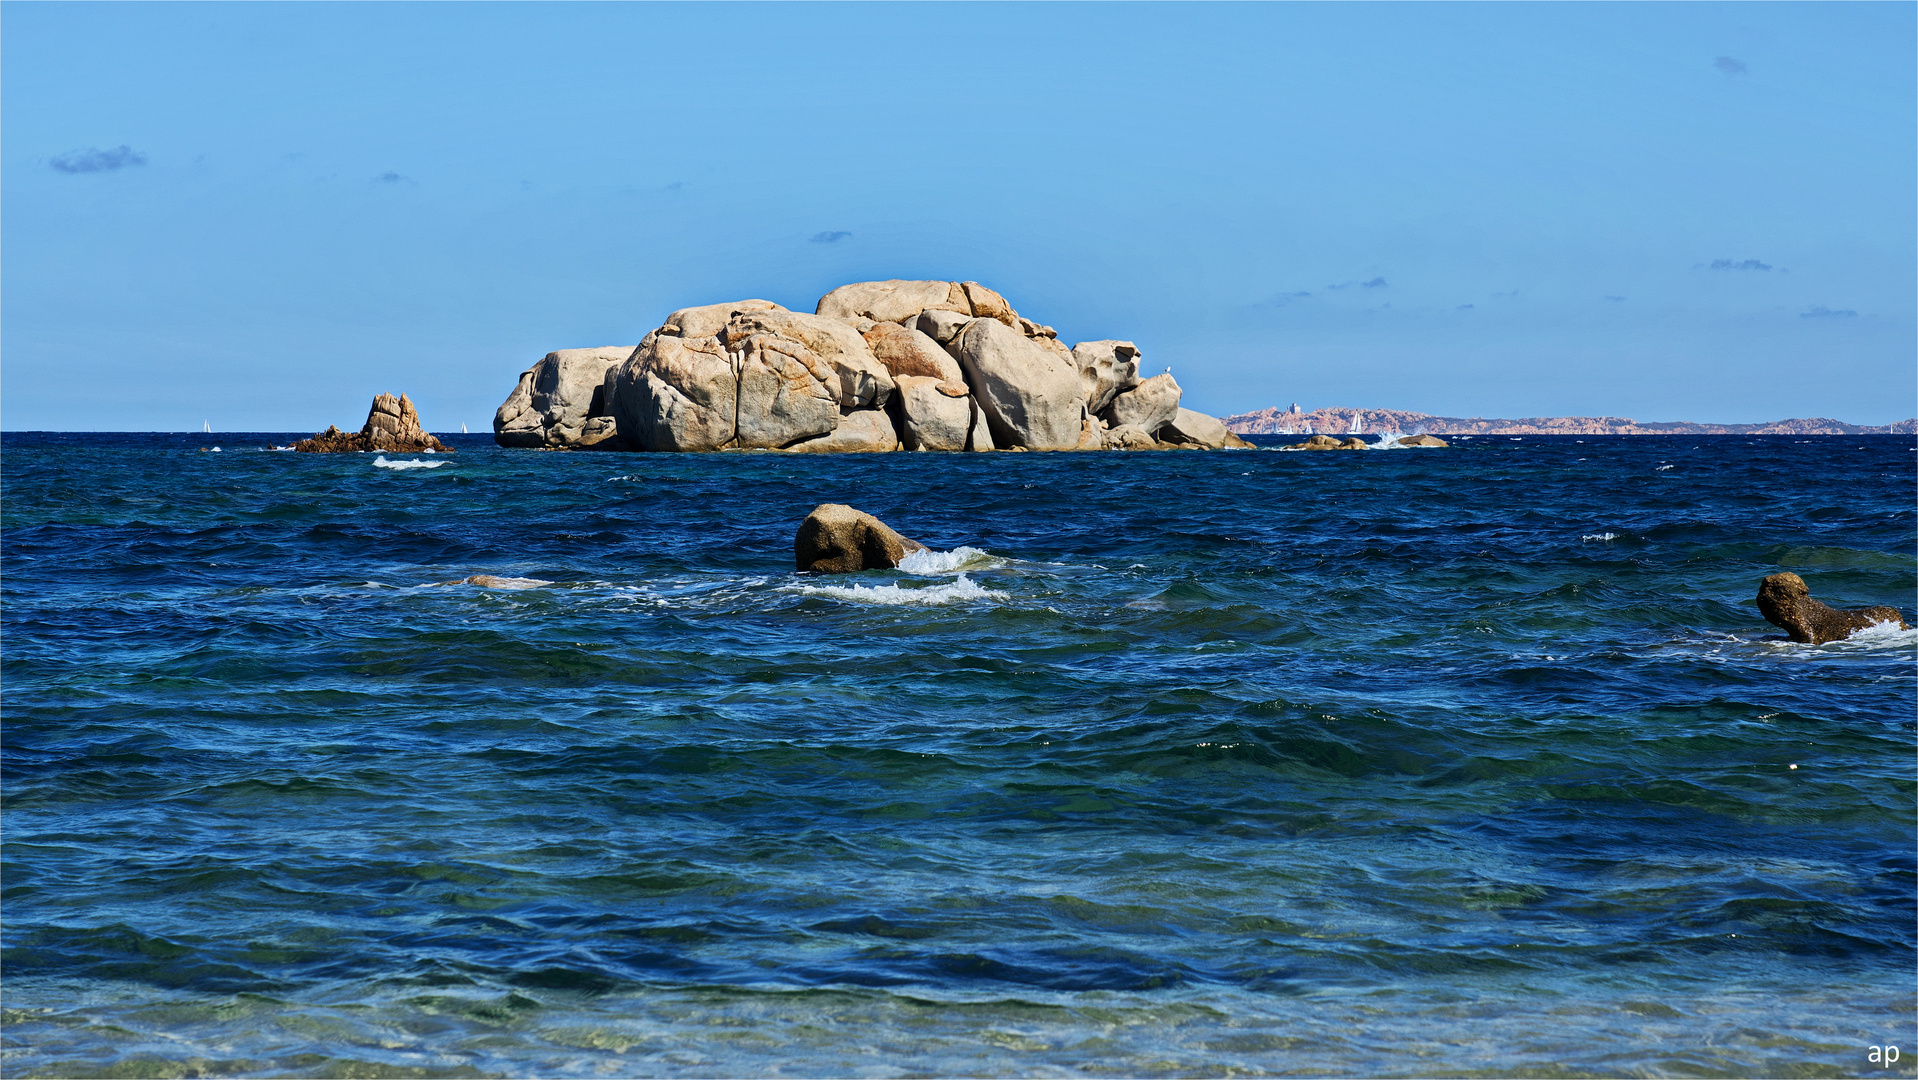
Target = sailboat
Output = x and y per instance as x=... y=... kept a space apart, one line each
x=206 y=427
x=463 y=427
x=1358 y=424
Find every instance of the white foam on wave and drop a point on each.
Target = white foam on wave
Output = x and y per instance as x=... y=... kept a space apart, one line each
x=1600 y=536
x=1665 y=468
x=928 y=562
x=415 y=463
x=957 y=591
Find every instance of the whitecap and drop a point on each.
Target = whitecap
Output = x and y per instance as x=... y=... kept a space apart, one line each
x=1663 y=468
x=929 y=562
x=964 y=588
x=415 y=463
x=1600 y=536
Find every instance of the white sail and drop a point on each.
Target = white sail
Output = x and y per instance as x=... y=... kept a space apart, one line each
x=206 y=427
x=463 y=430
x=1358 y=424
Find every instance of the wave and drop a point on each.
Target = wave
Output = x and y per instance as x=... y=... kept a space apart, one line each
x=930 y=562
x=962 y=589
x=414 y=463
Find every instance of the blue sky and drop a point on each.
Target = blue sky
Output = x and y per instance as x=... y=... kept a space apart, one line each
x=263 y=214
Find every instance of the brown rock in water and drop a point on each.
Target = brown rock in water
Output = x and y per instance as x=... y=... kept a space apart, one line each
x=392 y=424
x=1785 y=600
x=836 y=539
x=1318 y=442
x=1423 y=440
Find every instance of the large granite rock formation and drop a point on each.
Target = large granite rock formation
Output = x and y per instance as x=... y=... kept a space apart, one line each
x=391 y=424
x=1786 y=602
x=564 y=402
x=836 y=539
x=878 y=365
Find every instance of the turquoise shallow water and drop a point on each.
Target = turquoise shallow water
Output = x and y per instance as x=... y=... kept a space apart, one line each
x=1464 y=762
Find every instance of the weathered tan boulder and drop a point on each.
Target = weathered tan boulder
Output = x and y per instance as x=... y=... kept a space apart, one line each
x=836 y=539
x=903 y=301
x=1106 y=368
x=391 y=424
x=1031 y=396
x=906 y=351
x=1196 y=428
x=1423 y=440
x=833 y=352
x=1129 y=437
x=862 y=431
x=892 y=301
x=941 y=326
x=786 y=393
x=1150 y=405
x=559 y=399
x=1786 y=602
x=933 y=414
x=677 y=393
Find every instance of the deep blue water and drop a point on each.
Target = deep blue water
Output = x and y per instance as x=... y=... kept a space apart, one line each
x=1472 y=761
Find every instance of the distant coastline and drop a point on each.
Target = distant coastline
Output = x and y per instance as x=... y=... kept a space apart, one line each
x=1339 y=421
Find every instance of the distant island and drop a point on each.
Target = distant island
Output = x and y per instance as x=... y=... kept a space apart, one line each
x=1341 y=421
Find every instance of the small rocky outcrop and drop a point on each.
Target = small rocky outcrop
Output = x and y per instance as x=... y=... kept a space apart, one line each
x=1327 y=442
x=564 y=402
x=392 y=424
x=836 y=539
x=1786 y=602
x=944 y=365
x=1423 y=440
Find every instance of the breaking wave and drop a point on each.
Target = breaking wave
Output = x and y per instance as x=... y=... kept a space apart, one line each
x=414 y=463
x=957 y=591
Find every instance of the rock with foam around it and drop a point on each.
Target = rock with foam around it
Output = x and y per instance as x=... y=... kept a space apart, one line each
x=564 y=401
x=836 y=539
x=1197 y=429
x=933 y=414
x=1786 y=602
x=1148 y=406
x=391 y=424
x=906 y=351
x=1031 y=396
x=862 y=431
x=1107 y=368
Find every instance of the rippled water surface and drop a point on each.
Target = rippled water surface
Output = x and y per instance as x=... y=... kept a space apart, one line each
x=1471 y=761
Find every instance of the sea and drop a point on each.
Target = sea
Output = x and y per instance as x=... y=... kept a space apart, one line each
x=1475 y=761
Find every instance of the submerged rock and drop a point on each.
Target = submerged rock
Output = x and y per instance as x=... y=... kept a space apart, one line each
x=391 y=424
x=836 y=539
x=1786 y=602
